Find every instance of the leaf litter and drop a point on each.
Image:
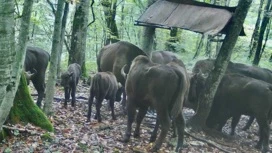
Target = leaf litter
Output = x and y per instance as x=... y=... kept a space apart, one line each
x=73 y=134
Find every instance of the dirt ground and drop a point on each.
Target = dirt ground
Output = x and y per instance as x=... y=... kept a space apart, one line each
x=73 y=134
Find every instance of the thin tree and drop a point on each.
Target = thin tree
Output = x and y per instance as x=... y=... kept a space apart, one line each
x=50 y=88
x=62 y=37
x=263 y=27
x=255 y=35
x=198 y=121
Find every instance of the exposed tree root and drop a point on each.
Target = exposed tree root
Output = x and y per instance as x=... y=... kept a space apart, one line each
x=207 y=141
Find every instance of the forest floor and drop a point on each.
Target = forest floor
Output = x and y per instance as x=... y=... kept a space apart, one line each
x=73 y=134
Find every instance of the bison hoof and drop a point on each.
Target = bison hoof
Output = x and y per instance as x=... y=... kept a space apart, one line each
x=245 y=128
x=258 y=146
x=125 y=139
x=154 y=149
x=152 y=139
x=136 y=135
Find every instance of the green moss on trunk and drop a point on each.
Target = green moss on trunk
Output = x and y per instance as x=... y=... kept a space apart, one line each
x=3 y=134
x=24 y=110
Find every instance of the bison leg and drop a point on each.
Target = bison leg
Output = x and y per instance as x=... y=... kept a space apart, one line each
x=131 y=110
x=165 y=122
x=90 y=103
x=112 y=109
x=73 y=95
x=124 y=101
x=40 y=87
x=155 y=131
x=139 y=119
x=249 y=122
x=234 y=122
x=264 y=134
x=67 y=96
x=98 y=107
x=180 y=123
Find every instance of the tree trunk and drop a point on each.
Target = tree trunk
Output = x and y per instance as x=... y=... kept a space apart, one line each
x=170 y=43
x=25 y=110
x=62 y=37
x=109 y=7
x=206 y=97
x=7 y=52
x=148 y=39
x=255 y=35
x=50 y=88
x=199 y=46
x=208 y=48
x=79 y=35
x=264 y=23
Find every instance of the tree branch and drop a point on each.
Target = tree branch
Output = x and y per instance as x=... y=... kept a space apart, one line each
x=92 y=14
x=52 y=6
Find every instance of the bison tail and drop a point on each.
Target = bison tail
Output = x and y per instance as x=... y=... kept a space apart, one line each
x=179 y=95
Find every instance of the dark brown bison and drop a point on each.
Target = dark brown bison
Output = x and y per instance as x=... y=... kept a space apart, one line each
x=104 y=85
x=69 y=81
x=36 y=61
x=163 y=87
x=114 y=56
x=236 y=95
x=205 y=66
x=162 y=57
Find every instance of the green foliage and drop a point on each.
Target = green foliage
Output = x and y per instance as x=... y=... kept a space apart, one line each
x=47 y=137
x=3 y=135
x=25 y=111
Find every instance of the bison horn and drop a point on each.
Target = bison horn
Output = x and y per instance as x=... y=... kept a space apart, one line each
x=123 y=71
x=30 y=75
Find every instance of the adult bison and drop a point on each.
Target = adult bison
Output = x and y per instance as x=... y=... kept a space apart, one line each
x=103 y=85
x=236 y=95
x=69 y=81
x=114 y=56
x=36 y=61
x=163 y=57
x=163 y=87
x=205 y=66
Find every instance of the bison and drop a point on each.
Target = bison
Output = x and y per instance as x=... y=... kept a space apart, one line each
x=114 y=56
x=36 y=61
x=205 y=66
x=69 y=81
x=103 y=85
x=236 y=95
x=163 y=87
x=163 y=57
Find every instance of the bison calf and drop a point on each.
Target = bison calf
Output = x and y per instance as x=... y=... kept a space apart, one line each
x=69 y=81
x=163 y=87
x=104 y=85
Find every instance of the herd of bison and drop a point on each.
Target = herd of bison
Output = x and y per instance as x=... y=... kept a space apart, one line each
x=161 y=82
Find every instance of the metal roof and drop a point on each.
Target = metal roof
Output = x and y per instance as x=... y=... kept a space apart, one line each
x=187 y=14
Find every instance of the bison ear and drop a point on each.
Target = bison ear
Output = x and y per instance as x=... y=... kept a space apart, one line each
x=70 y=74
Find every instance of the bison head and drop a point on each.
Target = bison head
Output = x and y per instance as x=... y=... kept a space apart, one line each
x=65 y=79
